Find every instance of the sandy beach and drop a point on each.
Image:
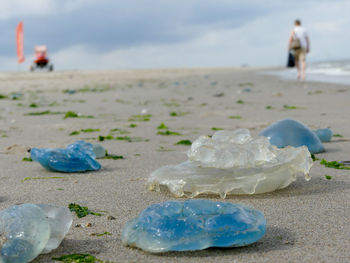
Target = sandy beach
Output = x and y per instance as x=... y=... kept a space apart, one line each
x=309 y=221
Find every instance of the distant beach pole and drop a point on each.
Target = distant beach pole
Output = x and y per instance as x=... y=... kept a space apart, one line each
x=19 y=44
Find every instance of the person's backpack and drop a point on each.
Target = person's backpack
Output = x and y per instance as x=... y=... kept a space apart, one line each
x=295 y=44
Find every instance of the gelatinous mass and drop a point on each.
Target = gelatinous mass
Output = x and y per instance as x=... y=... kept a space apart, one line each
x=28 y=230
x=194 y=225
x=99 y=151
x=77 y=157
x=325 y=135
x=233 y=162
x=290 y=132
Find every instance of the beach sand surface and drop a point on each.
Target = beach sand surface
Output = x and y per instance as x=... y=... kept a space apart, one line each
x=309 y=221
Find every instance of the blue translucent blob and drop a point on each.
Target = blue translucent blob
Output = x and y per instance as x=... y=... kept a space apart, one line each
x=290 y=132
x=77 y=157
x=24 y=233
x=325 y=135
x=194 y=225
x=99 y=151
x=28 y=230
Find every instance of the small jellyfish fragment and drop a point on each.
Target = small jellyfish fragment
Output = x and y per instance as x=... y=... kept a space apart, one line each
x=233 y=162
x=99 y=151
x=77 y=157
x=194 y=225
x=28 y=230
x=325 y=135
x=290 y=132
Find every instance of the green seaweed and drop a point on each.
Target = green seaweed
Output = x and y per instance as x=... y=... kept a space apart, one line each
x=74 y=101
x=119 y=131
x=172 y=104
x=2 y=96
x=72 y=114
x=240 y=102
x=244 y=84
x=84 y=130
x=162 y=126
x=145 y=117
x=81 y=211
x=167 y=133
x=131 y=139
x=338 y=135
x=314 y=157
x=52 y=104
x=122 y=138
x=328 y=177
x=113 y=157
x=133 y=125
x=184 y=142
x=102 y=138
x=269 y=107
x=74 y=133
x=101 y=234
x=178 y=114
x=27 y=159
x=291 y=107
x=315 y=92
x=216 y=129
x=33 y=105
x=334 y=164
x=77 y=258
x=47 y=112
x=90 y=130
x=122 y=101
x=236 y=117
x=163 y=149
x=287 y=107
x=43 y=177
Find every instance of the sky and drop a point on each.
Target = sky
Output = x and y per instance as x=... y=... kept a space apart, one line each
x=122 y=34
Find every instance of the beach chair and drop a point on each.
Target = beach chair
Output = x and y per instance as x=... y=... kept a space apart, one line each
x=41 y=60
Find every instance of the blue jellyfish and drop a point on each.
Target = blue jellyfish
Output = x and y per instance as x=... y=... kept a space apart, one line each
x=325 y=135
x=77 y=157
x=290 y=132
x=194 y=225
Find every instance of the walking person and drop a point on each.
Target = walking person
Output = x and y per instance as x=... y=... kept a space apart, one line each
x=299 y=42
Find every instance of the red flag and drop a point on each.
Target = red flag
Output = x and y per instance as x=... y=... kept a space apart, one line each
x=19 y=42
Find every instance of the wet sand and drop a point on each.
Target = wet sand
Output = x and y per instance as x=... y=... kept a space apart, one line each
x=307 y=222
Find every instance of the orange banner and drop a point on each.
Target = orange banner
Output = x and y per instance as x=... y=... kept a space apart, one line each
x=19 y=42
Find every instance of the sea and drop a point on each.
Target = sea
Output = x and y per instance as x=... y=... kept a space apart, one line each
x=330 y=71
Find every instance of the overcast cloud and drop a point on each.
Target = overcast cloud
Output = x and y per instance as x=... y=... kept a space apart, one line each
x=107 y=34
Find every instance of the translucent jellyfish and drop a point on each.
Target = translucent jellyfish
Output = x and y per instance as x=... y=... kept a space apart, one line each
x=233 y=162
x=325 y=135
x=77 y=157
x=28 y=230
x=99 y=151
x=290 y=132
x=194 y=225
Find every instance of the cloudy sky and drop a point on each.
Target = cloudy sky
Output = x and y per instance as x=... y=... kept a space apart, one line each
x=108 y=34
